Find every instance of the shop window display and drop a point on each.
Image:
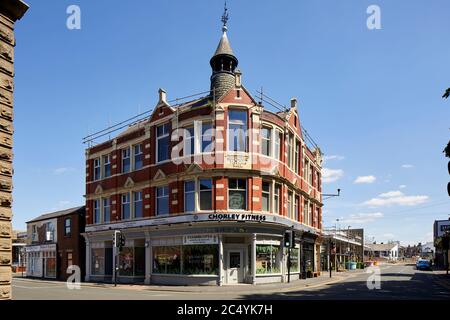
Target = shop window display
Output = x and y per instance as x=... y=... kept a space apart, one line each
x=267 y=259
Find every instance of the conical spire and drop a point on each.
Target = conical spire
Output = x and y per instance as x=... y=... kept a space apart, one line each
x=223 y=62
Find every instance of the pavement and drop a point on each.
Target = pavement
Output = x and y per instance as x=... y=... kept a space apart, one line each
x=397 y=282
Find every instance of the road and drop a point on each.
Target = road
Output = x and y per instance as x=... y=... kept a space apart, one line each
x=397 y=282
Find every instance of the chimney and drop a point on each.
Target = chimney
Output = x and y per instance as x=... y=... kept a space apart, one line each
x=238 y=74
x=162 y=96
x=293 y=103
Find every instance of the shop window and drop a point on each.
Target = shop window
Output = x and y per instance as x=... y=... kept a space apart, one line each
x=106 y=166
x=138 y=157
x=126 y=262
x=237 y=194
x=162 y=142
x=205 y=190
x=126 y=160
x=167 y=260
x=267 y=259
x=294 y=260
x=98 y=261
x=200 y=259
x=265 y=141
x=162 y=200
x=266 y=196
x=237 y=130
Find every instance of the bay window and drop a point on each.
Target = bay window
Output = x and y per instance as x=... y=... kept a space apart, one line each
x=266 y=196
x=162 y=200
x=237 y=194
x=207 y=134
x=162 y=142
x=237 y=130
x=265 y=141
x=205 y=194
x=276 y=198
x=277 y=145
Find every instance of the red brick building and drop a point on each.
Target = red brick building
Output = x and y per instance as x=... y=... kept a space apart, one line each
x=54 y=242
x=204 y=191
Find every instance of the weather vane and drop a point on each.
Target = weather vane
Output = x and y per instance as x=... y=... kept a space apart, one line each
x=225 y=18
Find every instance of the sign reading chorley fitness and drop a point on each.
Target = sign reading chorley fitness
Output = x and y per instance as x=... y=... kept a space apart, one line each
x=237 y=217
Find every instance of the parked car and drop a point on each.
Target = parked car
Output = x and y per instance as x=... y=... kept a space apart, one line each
x=423 y=264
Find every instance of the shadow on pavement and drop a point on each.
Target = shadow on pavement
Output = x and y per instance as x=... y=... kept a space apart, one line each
x=419 y=287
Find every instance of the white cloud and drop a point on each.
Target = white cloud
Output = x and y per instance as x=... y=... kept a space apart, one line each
x=361 y=218
x=402 y=186
x=59 y=171
x=395 y=198
x=407 y=166
x=365 y=179
x=388 y=235
x=333 y=157
x=331 y=175
x=391 y=194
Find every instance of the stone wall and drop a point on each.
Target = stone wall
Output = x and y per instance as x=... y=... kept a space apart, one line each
x=10 y=11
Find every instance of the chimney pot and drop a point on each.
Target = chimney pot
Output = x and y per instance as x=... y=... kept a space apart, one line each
x=293 y=103
x=162 y=96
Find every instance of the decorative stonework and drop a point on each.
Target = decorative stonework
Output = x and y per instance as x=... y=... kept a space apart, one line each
x=10 y=11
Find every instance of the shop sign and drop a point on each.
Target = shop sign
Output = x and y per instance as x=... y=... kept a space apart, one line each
x=236 y=217
x=200 y=239
x=46 y=247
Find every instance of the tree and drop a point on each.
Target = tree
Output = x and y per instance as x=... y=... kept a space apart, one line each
x=447 y=150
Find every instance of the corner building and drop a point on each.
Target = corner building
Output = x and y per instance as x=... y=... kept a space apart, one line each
x=204 y=191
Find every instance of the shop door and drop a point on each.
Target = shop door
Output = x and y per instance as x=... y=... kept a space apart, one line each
x=235 y=267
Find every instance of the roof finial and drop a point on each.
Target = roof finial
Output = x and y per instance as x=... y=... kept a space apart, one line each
x=225 y=18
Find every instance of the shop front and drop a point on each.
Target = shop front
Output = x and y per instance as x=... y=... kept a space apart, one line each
x=41 y=261
x=199 y=253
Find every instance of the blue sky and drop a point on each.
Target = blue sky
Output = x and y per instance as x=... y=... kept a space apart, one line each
x=370 y=98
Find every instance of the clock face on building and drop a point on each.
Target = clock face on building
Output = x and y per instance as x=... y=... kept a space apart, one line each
x=237 y=201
